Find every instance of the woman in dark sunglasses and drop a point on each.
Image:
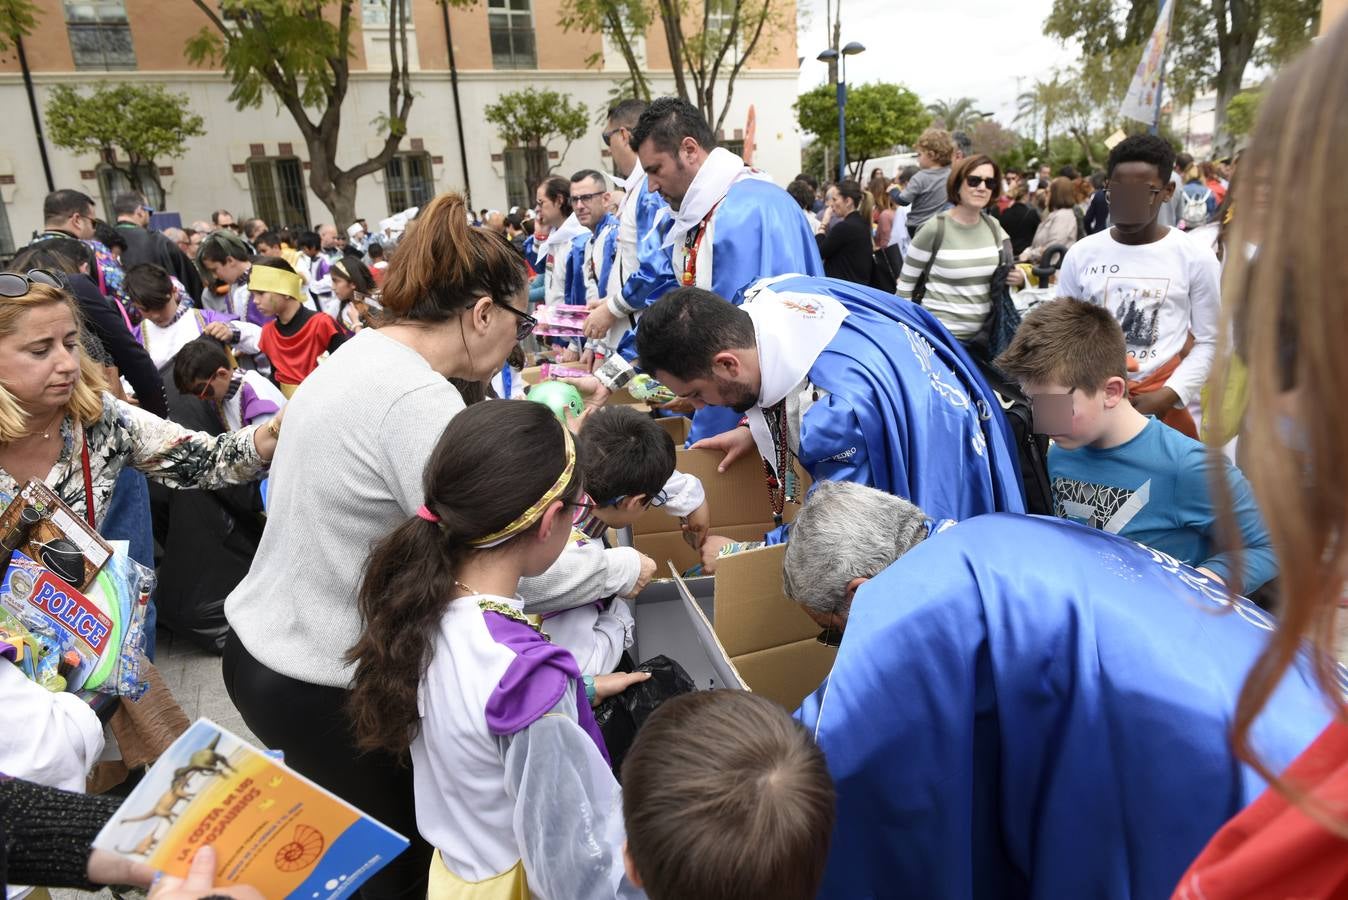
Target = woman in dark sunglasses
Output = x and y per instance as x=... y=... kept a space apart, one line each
x=957 y=254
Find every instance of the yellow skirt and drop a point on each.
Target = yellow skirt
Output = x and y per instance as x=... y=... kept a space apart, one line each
x=445 y=885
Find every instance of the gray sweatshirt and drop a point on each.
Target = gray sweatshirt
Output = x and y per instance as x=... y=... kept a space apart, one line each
x=926 y=195
x=347 y=471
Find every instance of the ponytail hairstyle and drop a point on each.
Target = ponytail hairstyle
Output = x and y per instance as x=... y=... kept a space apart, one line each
x=443 y=265
x=852 y=191
x=492 y=464
x=558 y=190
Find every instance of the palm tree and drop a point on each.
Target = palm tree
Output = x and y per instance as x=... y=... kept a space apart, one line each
x=954 y=115
x=1042 y=104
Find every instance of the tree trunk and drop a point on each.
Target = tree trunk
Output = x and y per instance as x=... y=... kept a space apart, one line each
x=1235 y=46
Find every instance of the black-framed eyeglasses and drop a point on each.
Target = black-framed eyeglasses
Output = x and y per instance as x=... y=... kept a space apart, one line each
x=655 y=502
x=15 y=284
x=582 y=508
x=830 y=637
x=974 y=181
x=1131 y=192
x=607 y=136
x=585 y=198
x=527 y=323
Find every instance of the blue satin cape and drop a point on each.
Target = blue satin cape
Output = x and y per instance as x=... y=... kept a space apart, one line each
x=907 y=411
x=1026 y=708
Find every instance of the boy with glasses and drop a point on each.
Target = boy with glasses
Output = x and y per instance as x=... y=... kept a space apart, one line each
x=1116 y=469
x=205 y=369
x=1163 y=288
x=626 y=462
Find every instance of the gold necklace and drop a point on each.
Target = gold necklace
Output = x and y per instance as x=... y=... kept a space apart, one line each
x=46 y=432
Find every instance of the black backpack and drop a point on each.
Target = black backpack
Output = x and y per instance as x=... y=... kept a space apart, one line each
x=1031 y=449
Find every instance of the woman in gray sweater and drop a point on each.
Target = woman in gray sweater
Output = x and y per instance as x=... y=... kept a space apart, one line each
x=358 y=434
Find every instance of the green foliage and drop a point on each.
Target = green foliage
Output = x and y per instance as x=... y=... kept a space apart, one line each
x=954 y=115
x=1204 y=35
x=621 y=21
x=880 y=117
x=299 y=52
x=1242 y=112
x=533 y=118
x=290 y=42
x=127 y=125
x=17 y=19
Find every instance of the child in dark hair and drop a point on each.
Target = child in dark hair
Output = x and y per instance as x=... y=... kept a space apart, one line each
x=298 y=337
x=169 y=322
x=726 y=797
x=1162 y=287
x=627 y=461
x=353 y=285
x=512 y=782
x=204 y=369
x=317 y=272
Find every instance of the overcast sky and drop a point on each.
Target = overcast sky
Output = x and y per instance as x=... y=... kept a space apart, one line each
x=940 y=49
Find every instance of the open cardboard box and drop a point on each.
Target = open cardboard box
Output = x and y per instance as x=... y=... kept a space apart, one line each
x=737 y=498
x=736 y=630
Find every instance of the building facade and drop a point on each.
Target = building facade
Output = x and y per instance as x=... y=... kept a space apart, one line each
x=253 y=161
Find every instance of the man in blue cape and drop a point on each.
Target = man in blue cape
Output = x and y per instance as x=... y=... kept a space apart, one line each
x=856 y=384
x=727 y=225
x=1022 y=707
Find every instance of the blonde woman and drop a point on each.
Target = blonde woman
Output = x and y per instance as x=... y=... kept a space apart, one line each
x=1060 y=226
x=1285 y=303
x=58 y=422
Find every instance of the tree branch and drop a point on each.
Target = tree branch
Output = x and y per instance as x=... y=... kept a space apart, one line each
x=739 y=64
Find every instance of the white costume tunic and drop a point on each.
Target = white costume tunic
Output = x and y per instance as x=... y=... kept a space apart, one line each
x=510 y=780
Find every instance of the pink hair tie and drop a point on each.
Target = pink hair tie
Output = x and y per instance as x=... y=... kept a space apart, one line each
x=424 y=513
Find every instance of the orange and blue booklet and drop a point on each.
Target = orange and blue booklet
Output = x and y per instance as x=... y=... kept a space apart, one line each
x=271 y=827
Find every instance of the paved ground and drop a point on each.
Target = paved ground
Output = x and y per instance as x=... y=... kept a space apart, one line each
x=194 y=677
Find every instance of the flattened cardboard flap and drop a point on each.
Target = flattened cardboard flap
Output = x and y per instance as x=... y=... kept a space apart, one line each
x=752 y=612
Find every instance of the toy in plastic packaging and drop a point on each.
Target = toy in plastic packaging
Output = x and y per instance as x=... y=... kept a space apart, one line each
x=555 y=370
x=644 y=387
x=94 y=640
x=33 y=646
x=620 y=717
x=38 y=524
x=562 y=321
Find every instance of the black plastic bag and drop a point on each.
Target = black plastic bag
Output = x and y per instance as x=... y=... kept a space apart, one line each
x=621 y=717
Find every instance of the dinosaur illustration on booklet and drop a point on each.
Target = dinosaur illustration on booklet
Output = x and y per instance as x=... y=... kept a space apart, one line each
x=271 y=827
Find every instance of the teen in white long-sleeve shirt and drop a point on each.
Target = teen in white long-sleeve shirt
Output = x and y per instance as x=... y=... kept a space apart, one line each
x=1161 y=286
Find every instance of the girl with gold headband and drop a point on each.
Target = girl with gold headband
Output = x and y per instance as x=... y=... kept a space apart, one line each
x=497 y=719
x=298 y=336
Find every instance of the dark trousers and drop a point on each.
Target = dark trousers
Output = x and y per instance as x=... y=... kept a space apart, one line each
x=308 y=723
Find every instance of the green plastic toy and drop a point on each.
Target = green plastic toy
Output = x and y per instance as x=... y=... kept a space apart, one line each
x=563 y=399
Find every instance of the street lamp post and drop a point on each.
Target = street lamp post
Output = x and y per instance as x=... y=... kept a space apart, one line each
x=831 y=57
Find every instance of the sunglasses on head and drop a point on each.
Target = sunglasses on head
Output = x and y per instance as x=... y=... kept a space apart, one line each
x=14 y=284
x=975 y=181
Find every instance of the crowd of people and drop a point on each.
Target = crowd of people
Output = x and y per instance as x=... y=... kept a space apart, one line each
x=428 y=611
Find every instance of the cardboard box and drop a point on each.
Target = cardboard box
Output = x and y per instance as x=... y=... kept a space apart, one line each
x=736 y=630
x=678 y=427
x=738 y=500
